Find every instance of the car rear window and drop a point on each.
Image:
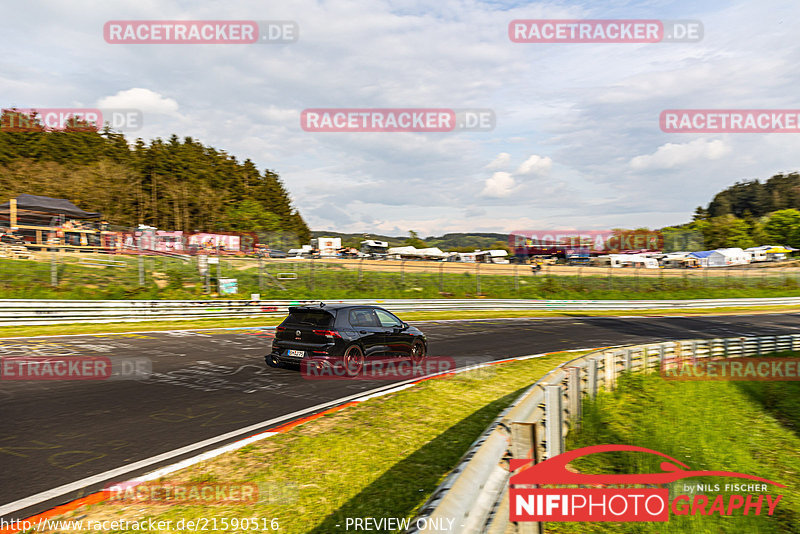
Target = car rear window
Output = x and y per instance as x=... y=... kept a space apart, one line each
x=310 y=317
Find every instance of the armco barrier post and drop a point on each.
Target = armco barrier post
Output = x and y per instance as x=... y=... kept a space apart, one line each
x=591 y=377
x=53 y=269
x=645 y=361
x=523 y=441
x=610 y=371
x=524 y=445
x=554 y=421
x=141 y=269
x=574 y=395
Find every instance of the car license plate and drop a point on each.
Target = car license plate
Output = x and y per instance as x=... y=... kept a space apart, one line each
x=297 y=353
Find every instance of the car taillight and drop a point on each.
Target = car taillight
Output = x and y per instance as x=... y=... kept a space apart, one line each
x=327 y=333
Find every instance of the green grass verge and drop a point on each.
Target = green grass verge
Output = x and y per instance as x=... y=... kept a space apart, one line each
x=166 y=278
x=747 y=427
x=381 y=458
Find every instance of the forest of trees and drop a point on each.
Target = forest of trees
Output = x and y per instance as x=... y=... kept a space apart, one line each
x=174 y=184
x=747 y=214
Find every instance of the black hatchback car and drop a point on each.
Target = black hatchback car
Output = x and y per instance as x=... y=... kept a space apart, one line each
x=346 y=336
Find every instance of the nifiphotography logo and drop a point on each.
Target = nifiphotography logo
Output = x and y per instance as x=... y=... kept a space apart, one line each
x=627 y=504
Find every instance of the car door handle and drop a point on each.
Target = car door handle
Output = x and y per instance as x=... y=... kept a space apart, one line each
x=362 y=331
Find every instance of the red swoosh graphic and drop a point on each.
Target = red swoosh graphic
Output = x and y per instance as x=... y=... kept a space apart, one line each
x=553 y=470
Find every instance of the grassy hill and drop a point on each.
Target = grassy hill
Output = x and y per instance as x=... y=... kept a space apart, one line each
x=471 y=240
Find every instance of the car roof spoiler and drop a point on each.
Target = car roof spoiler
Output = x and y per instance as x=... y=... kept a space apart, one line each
x=306 y=307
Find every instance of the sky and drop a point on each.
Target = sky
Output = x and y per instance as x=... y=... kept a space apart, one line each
x=576 y=142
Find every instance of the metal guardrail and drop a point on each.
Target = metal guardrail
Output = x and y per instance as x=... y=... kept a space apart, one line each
x=475 y=494
x=20 y=312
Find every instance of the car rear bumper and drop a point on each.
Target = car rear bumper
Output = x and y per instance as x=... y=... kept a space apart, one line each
x=323 y=354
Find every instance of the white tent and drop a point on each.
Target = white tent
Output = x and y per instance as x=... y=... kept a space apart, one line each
x=496 y=256
x=734 y=256
x=625 y=260
x=633 y=260
x=722 y=257
x=416 y=253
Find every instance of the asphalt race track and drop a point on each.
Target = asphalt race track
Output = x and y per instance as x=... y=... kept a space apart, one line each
x=209 y=382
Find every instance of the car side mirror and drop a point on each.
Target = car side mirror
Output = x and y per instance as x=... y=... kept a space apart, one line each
x=404 y=327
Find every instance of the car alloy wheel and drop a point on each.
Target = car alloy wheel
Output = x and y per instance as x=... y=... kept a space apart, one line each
x=417 y=352
x=353 y=360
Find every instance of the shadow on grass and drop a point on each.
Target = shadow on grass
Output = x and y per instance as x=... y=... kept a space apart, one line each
x=406 y=486
x=780 y=399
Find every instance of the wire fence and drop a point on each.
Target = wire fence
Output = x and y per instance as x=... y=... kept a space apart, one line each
x=66 y=275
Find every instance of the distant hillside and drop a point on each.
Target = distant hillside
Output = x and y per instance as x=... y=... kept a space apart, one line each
x=446 y=242
x=469 y=241
x=172 y=184
x=746 y=214
x=754 y=198
x=354 y=240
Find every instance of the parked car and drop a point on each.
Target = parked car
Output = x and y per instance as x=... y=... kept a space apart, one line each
x=273 y=253
x=347 y=336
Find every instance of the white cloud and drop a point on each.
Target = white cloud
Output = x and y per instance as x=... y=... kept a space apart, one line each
x=500 y=161
x=535 y=166
x=142 y=99
x=596 y=115
x=499 y=185
x=671 y=155
x=280 y=115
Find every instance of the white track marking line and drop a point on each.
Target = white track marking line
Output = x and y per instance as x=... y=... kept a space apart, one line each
x=358 y=397
x=158 y=473
x=94 y=479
